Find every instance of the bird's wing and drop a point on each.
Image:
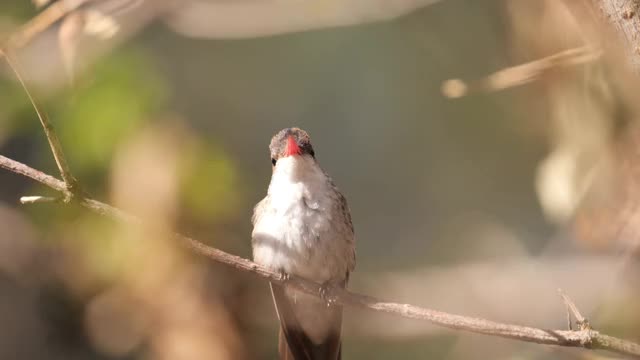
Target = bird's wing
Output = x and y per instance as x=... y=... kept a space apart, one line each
x=294 y=344
x=258 y=210
x=350 y=234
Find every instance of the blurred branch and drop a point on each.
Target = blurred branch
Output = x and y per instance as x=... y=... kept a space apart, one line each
x=585 y=338
x=41 y=22
x=521 y=74
x=245 y=19
x=623 y=15
x=235 y=19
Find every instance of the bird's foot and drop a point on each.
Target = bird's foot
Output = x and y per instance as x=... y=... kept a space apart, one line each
x=284 y=277
x=325 y=294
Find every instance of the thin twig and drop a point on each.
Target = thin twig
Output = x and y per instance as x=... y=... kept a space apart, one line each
x=585 y=338
x=521 y=74
x=569 y=322
x=71 y=183
x=582 y=322
x=39 y=199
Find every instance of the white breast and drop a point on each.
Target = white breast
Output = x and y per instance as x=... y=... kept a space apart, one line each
x=301 y=228
x=294 y=231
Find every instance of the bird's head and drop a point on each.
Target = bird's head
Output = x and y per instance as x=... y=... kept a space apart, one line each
x=290 y=142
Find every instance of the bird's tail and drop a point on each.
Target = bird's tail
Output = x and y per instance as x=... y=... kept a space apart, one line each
x=285 y=351
x=293 y=343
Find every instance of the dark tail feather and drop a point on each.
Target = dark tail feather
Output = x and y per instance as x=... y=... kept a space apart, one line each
x=285 y=351
x=283 y=347
x=293 y=343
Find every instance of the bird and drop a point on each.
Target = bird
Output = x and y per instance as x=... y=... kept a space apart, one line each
x=303 y=227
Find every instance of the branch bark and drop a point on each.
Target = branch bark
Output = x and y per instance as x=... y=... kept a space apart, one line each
x=623 y=16
x=585 y=338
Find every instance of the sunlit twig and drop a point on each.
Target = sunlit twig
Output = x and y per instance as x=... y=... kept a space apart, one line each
x=71 y=184
x=521 y=74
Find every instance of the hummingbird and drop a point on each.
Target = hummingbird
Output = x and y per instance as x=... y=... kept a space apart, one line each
x=303 y=227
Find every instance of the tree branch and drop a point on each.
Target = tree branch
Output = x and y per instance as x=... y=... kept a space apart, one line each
x=623 y=16
x=586 y=338
x=41 y=22
x=522 y=74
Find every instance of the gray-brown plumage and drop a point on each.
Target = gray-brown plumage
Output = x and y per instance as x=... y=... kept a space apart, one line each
x=303 y=227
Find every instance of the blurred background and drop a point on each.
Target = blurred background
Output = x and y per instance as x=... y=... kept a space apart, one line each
x=479 y=196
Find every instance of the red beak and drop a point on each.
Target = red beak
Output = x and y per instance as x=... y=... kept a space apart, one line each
x=292 y=147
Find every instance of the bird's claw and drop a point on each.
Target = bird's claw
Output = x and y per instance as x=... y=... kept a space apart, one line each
x=325 y=294
x=284 y=276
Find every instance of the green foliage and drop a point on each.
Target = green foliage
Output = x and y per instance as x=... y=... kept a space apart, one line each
x=17 y=11
x=15 y=109
x=403 y=347
x=124 y=93
x=209 y=182
x=101 y=246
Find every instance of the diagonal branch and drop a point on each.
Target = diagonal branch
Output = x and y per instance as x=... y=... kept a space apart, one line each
x=522 y=74
x=41 y=22
x=582 y=322
x=585 y=338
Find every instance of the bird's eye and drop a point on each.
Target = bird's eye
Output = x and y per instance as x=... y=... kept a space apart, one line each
x=273 y=161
